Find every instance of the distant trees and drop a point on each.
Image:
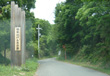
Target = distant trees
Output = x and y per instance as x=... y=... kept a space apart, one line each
x=47 y=43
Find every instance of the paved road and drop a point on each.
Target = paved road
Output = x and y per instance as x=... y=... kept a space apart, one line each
x=51 y=67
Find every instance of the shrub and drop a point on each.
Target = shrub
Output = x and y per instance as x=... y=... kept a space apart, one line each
x=4 y=60
x=30 y=65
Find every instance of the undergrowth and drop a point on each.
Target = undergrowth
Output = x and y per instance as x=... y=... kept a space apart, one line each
x=28 y=69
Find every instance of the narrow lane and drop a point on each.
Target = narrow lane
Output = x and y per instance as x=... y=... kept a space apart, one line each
x=52 y=67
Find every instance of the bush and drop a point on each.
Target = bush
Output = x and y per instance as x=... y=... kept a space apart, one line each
x=4 y=60
x=28 y=69
x=30 y=65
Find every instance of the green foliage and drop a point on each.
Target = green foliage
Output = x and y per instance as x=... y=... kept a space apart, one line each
x=5 y=12
x=45 y=25
x=4 y=35
x=27 y=69
x=30 y=65
x=84 y=49
x=47 y=40
x=67 y=27
x=84 y=27
x=25 y=4
x=4 y=60
x=94 y=16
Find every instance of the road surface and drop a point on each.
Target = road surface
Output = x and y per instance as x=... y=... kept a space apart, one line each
x=52 y=67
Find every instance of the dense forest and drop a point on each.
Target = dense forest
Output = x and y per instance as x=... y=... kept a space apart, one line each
x=82 y=26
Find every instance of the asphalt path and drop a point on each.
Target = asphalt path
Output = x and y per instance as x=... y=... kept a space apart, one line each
x=52 y=67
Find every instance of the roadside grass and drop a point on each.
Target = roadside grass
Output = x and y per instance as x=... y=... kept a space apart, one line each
x=87 y=65
x=28 y=69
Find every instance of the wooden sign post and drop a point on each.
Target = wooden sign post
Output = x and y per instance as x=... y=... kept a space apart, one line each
x=17 y=35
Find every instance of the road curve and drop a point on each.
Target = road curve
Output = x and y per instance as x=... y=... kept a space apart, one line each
x=52 y=67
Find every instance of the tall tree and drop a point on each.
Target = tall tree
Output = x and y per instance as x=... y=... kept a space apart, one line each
x=68 y=27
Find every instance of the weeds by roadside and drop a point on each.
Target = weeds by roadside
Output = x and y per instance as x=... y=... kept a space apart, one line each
x=28 y=69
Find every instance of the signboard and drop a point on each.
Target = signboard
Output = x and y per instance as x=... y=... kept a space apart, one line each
x=63 y=46
x=17 y=39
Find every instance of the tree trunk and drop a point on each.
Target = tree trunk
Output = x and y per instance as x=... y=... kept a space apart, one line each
x=5 y=53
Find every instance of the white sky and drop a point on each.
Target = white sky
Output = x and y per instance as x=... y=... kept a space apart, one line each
x=45 y=9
